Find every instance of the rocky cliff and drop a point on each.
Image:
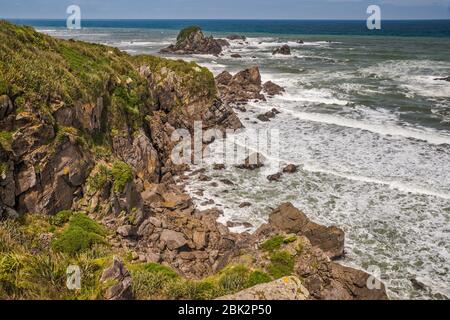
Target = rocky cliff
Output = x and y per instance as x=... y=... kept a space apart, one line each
x=86 y=179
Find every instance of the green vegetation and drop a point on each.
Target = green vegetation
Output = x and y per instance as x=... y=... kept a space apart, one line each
x=97 y=181
x=186 y=32
x=122 y=174
x=276 y=242
x=281 y=264
x=159 y=282
x=79 y=235
x=42 y=275
x=6 y=139
x=62 y=217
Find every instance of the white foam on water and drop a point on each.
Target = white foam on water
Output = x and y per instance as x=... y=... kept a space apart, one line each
x=382 y=129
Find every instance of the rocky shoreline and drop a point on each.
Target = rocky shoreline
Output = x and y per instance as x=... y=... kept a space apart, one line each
x=102 y=149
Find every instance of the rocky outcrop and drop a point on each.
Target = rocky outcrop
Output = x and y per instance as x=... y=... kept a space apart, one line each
x=287 y=288
x=283 y=50
x=243 y=86
x=191 y=40
x=272 y=89
x=286 y=218
x=122 y=289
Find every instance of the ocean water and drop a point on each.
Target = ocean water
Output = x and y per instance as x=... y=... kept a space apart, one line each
x=363 y=117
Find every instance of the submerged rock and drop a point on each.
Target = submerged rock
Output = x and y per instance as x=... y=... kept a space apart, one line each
x=283 y=50
x=253 y=162
x=236 y=37
x=443 y=79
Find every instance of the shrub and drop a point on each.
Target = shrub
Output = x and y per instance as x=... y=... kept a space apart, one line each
x=160 y=269
x=258 y=277
x=62 y=217
x=99 y=179
x=281 y=264
x=276 y=242
x=80 y=234
x=122 y=174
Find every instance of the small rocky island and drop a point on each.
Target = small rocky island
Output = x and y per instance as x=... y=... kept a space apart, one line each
x=86 y=179
x=191 y=40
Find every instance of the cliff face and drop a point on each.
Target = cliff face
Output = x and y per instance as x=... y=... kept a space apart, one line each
x=86 y=174
x=67 y=105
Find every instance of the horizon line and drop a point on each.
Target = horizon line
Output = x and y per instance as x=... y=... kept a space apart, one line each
x=223 y=19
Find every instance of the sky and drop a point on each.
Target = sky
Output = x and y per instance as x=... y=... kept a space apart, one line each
x=225 y=9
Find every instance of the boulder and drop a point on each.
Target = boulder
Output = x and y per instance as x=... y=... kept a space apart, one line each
x=283 y=50
x=253 y=162
x=275 y=177
x=287 y=288
x=127 y=231
x=174 y=240
x=272 y=89
x=262 y=117
x=290 y=168
x=122 y=290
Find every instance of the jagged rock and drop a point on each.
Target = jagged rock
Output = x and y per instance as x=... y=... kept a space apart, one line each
x=123 y=289
x=191 y=40
x=63 y=170
x=139 y=153
x=275 y=177
x=90 y=115
x=31 y=137
x=287 y=288
x=284 y=50
x=291 y=168
x=443 y=79
x=222 y=116
x=253 y=162
x=6 y=106
x=287 y=218
x=243 y=86
x=272 y=89
x=174 y=240
x=236 y=37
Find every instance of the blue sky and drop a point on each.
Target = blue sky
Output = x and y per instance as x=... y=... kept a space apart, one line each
x=226 y=9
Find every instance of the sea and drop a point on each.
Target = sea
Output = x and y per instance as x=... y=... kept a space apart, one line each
x=363 y=117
